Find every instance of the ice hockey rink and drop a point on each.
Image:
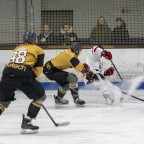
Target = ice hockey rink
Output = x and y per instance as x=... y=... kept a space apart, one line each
x=96 y=123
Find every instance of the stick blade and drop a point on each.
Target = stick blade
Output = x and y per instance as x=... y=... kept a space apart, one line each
x=63 y=124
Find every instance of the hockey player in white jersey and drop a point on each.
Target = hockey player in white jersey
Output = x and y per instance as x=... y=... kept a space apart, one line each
x=111 y=93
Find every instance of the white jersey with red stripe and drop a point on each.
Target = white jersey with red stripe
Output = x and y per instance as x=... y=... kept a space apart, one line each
x=111 y=93
x=94 y=58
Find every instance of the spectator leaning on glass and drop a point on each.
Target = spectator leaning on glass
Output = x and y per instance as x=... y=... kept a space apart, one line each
x=101 y=33
x=120 y=34
x=67 y=35
x=47 y=36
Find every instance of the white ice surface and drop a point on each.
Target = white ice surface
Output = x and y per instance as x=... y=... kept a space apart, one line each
x=96 y=123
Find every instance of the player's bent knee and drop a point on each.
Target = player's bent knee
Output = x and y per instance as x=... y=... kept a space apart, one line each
x=42 y=98
x=38 y=102
x=73 y=81
x=64 y=88
x=3 y=105
x=72 y=78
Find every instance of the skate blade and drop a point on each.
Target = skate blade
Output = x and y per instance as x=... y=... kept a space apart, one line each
x=61 y=103
x=78 y=105
x=28 y=131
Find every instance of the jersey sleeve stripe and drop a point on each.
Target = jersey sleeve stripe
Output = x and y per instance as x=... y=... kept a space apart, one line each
x=74 y=61
x=40 y=61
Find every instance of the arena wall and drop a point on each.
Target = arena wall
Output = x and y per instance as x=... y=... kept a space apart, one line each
x=15 y=16
x=129 y=63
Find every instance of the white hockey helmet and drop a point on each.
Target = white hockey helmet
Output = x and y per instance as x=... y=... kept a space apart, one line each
x=97 y=50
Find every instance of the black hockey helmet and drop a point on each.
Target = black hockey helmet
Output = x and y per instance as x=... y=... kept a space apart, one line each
x=76 y=46
x=29 y=37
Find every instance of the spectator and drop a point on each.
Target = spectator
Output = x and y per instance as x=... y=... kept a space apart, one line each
x=120 y=34
x=47 y=36
x=97 y=77
x=67 y=35
x=101 y=33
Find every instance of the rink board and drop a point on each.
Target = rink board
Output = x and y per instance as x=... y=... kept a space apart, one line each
x=129 y=62
x=54 y=86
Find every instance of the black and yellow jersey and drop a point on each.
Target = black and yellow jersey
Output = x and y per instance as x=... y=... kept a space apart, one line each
x=27 y=55
x=67 y=59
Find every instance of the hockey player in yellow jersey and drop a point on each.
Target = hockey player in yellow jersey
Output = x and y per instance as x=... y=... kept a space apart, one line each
x=53 y=70
x=26 y=63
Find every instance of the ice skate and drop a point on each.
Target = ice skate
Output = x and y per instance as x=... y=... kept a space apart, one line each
x=27 y=127
x=109 y=100
x=108 y=97
x=79 y=102
x=59 y=100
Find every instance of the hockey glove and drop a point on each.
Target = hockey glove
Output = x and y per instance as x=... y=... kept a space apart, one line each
x=89 y=75
x=107 y=54
x=86 y=68
x=109 y=72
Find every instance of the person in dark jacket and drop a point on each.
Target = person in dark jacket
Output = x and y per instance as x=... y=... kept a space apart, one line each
x=120 y=34
x=101 y=33
x=67 y=35
x=47 y=36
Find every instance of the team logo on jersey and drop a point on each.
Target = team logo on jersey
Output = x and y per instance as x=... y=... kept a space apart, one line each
x=16 y=66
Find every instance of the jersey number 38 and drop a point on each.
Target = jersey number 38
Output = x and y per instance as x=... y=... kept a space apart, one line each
x=18 y=57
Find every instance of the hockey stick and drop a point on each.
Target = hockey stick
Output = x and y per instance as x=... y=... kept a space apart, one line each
x=122 y=81
x=56 y=124
x=116 y=70
x=132 y=96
